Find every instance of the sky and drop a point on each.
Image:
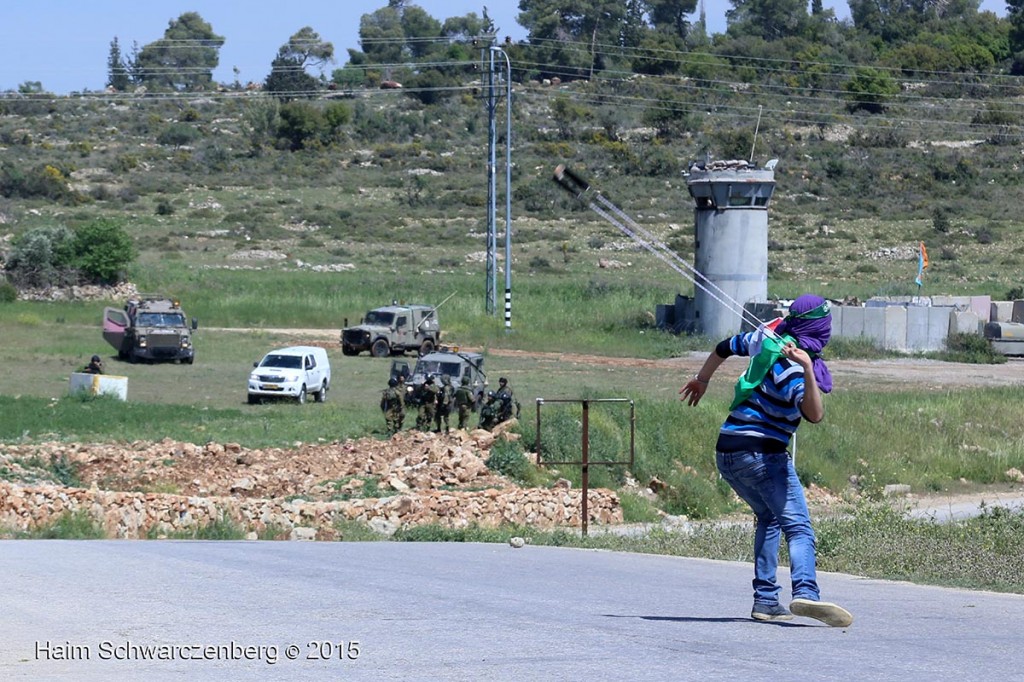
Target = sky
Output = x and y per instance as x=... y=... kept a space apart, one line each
x=64 y=44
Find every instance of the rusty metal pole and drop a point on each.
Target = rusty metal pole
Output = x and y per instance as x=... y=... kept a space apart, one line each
x=540 y=401
x=586 y=463
x=632 y=433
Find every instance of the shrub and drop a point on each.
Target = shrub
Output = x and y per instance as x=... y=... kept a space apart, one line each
x=8 y=292
x=42 y=257
x=972 y=348
x=69 y=526
x=507 y=459
x=102 y=251
x=177 y=135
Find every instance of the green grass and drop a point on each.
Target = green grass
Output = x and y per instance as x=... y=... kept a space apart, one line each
x=875 y=541
x=68 y=526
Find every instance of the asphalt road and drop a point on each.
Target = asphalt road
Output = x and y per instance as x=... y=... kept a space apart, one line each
x=101 y=610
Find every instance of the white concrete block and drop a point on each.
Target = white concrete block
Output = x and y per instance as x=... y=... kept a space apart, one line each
x=98 y=384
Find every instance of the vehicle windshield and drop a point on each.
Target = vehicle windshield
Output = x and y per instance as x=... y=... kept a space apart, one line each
x=282 y=361
x=379 y=318
x=160 y=320
x=452 y=369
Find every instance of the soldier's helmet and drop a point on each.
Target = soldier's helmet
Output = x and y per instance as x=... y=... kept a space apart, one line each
x=392 y=382
x=446 y=380
x=465 y=381
x=96 y=358
x=430 y=379
x=490 y=394
x=502 y=381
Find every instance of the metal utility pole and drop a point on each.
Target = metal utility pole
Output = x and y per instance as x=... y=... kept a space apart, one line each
x=508 y=187
x=492 y=274
x=492 y=193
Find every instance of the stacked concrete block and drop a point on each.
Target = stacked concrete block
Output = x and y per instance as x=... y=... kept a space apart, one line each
x=1000 y=311
x=1018 y=312
x=965 y=322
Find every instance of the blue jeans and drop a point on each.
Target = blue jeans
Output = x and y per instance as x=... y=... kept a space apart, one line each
x=769 y=484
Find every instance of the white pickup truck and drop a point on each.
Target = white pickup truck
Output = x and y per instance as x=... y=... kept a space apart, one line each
x=292 y=372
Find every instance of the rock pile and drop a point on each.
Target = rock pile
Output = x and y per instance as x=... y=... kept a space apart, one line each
x=154 y=489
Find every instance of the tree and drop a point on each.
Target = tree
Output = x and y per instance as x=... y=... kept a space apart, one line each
x=97 y=252
x=421 y=31
x=567 y=36
x=869 y=89
x=102 y=251
x=262 y=118
x=768 y=19
x=300 y=125
x=288 y=77
x=117 y=70
x=670 y=15
x=381 y=36
x=184 y=59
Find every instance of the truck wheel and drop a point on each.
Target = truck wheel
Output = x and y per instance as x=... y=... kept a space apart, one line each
x=189 y=361
x=380 y=349
x=302 y=396
x=321 y=395
x=253 y=399
x=426 y=347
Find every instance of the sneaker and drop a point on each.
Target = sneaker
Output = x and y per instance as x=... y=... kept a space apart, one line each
x=770 y=612
x=829 y=614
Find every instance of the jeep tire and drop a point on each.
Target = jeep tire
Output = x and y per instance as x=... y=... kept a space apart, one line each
x=427 y=346
x=301 y=397
x=380 y=349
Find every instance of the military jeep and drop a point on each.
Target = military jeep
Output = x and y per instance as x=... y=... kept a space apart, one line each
x=444 y=361
x=393 y=330
x=150 y=328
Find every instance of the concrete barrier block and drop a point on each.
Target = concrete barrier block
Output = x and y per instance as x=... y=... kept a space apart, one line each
x=874 y=325
x=837 y=320
x=938 y=327
x=1000 y=311
x=895 y=329
x=917 y=328
x=981 y=306
x=1018 y=312
x=99 y=384
x=964 y=322
x=853 y=322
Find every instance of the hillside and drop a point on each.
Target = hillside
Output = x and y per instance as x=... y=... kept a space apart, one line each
x=401 y=184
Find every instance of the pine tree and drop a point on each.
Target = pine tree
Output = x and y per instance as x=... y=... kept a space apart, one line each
x=117 y=72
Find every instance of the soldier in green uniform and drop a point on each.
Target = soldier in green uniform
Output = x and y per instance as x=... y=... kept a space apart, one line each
x=489 y=412
x=507 y=404
x=393 y=406
x=444 y=403
x=428 y=404
x=403 y=391
x=464 y=401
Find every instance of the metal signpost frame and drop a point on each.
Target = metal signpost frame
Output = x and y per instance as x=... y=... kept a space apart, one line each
x=585 y=462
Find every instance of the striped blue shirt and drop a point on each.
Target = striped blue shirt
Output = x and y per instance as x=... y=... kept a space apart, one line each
x=766 y=420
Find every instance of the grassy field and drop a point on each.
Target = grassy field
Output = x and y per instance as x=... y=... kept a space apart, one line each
x=940 y=440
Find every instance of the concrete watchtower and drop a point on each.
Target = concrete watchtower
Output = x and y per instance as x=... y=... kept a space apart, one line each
x=731 y=230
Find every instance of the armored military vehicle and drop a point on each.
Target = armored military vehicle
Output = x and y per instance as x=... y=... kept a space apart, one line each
x=393 y=330
x=451 y=361
x=150 y=328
